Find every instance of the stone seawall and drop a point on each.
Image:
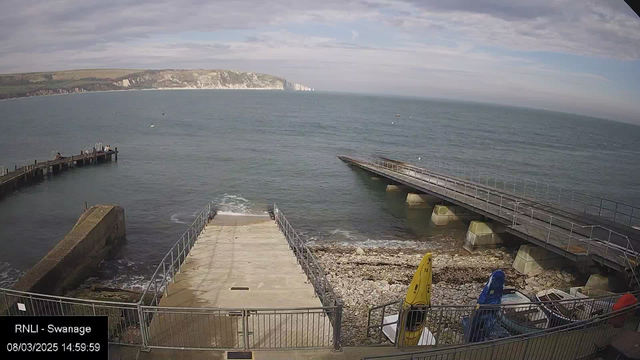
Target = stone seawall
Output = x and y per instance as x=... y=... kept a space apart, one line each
x=96 y=234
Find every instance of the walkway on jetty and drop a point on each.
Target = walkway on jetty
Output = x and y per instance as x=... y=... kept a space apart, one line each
x=241 y=286
x=578 y=236
x=12 y=180
x=241 y=262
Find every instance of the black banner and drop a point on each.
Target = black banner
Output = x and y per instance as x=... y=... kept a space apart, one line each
x=54 y=337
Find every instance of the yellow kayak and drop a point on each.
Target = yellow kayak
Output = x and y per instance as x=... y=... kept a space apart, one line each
x=416 y=302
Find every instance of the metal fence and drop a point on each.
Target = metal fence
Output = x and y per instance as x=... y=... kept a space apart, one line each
x=151 y=326
x=559 y=233
x=248 y=329
x=613 y=210
x=307 y=261
x=124 y=318
x=455 y=325
x=172 y=262
x=567 y=342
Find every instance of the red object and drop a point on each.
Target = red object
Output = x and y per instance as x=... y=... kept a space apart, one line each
x=625 y=301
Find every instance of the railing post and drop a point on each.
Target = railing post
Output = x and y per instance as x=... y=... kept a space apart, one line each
x=143 y=327
x=488 y=195
x=164 y=278
x=570 y=234
x=399 y=340
x=600 y=208
x=515 y=213
x=173 y=274
x=245 y=331
x=608 y=244
x=560 y=196
x=549 y=232
x=337 y=327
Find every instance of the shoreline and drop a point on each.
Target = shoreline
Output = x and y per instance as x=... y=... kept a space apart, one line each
x=155 y=89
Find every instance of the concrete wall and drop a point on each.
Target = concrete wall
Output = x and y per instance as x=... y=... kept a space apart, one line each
x=98 y=231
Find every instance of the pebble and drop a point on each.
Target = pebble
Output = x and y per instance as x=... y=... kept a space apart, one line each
x=367 y=279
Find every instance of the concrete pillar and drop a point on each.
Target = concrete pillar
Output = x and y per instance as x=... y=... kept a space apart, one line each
x=606 y=283
x=421 y=200
x=392 y=188
x=483 y=235
x=532 y=259
x=446 y=214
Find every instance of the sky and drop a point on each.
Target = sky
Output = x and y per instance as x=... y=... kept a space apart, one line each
x=577 y=56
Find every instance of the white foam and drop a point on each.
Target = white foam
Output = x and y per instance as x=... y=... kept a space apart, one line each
x=239 y=214
x=175 y=219
x=345 y=233
x=8 y=275
x=124 y=281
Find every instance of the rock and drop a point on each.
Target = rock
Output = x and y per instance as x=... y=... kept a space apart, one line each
x=359 y=251
x=530 y=280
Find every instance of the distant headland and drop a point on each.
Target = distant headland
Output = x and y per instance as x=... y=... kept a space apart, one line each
x=78 y=81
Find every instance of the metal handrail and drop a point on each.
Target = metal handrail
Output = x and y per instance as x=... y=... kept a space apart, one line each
x=505 y=209
x=624 y=314
x=176 y=256
x=12 y=292
x=547 y=192
x=440 y=318
x=307 y=261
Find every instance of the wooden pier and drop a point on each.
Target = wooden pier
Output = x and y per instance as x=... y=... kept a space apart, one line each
x=28 y=174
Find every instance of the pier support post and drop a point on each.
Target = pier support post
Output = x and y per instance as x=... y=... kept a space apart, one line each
x=446 y=214
x=532 y=259
x=394 y=187
x=421 y=200
x=483 y=235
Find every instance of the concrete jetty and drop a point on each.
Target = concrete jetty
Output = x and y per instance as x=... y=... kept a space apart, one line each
x=28 y=174
x=555 y=226
x=250 y=287
x=241 y=262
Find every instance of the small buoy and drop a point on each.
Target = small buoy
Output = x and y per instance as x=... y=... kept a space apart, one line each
x=392 y=123
x=419 y=158
x=163 y=114
x=152 y=125
x=410 y=117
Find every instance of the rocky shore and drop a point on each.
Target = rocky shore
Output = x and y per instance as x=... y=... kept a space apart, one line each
x=364 y=278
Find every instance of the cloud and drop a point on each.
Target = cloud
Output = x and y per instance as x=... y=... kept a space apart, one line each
x=607 y=29
x=424 y=47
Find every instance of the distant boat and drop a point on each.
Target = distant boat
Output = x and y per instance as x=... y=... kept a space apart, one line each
x=152 y=125
x=398 y=115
